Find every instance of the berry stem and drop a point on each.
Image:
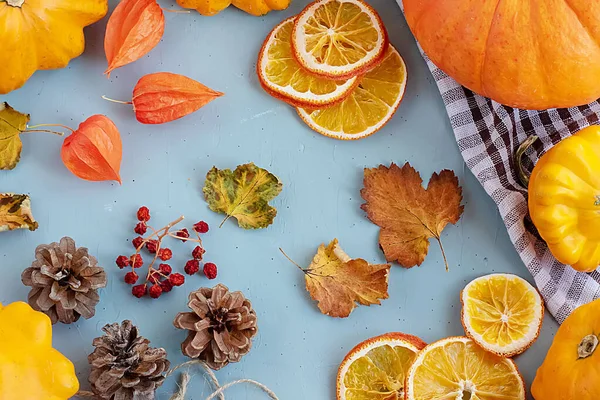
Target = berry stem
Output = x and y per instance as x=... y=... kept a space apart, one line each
x=45 y=130
x=116 y=101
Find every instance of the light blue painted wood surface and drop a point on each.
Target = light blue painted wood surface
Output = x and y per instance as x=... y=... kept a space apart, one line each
x=297 y=350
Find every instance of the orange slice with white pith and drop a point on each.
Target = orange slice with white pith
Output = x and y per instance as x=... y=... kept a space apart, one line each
x=282 y=77
x=457 y=368
x=339 y=39
x=502 y=313
x=376 y=368
x=368 y=108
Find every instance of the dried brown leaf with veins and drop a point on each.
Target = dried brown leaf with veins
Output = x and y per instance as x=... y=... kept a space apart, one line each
x=408 y=214
x=338 y=282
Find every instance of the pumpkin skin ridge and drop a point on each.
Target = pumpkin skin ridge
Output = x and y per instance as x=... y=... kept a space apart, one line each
x=51 y=30
x=552 y=61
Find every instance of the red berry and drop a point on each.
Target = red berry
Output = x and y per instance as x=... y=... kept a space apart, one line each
x=165 y=254
x=152 y=246
x=123 y=261
x=136 y=261
x=210 y=270
x=140 y=228
x=143 y=214
x=184 y=233
x=131 y=278
x=165 y=269
x=139 y=291
x=155 y=291
x=137 y=242
x=201 y=227
x=198 y=252
x=192 y=267
x=177 y=279
x=166 y=286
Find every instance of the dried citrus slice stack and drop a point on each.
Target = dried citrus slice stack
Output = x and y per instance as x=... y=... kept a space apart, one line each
x=376 y=368
x=339 y=39
x=457 y=368
x=334 y=63
x=282 y=76
x=502 y=313
x=368 y=108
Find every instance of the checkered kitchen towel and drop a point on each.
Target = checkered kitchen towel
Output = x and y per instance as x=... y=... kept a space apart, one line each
x=488 y=134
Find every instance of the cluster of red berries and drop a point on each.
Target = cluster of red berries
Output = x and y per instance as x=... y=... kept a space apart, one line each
x=161 y=279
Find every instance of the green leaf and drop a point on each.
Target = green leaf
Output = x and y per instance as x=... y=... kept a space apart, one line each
x=243 y=194
x=15 y=212
x=12 y=124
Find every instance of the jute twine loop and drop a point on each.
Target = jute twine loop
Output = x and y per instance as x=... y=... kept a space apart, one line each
x=185 y=380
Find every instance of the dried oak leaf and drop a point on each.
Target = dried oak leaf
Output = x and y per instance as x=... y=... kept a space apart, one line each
x=243 y=194
x=15 y=212
x=408 y=214
x=338 y=282
x=12 y=124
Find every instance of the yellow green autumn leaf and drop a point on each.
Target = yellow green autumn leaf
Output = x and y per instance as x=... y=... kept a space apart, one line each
x=243 y=194
x=15 y=212
x=12 y=124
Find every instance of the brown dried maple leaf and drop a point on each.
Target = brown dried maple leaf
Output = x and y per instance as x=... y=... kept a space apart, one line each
x=338 y=282
x=408 y=214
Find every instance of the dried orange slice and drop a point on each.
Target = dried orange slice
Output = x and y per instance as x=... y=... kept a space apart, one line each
x=339 y=39
x=281 y=76
x=376 y=368
x=502 y=313
x=457 y=368
x=368 y=108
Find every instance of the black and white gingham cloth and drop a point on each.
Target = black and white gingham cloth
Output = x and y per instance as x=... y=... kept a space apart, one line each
x=488 y=134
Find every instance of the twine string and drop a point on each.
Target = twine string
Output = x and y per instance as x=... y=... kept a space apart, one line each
x=185 y=380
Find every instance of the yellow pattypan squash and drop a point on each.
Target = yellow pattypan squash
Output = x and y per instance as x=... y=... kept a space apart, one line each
x=254 y=7
x=30 y=369
x=571 y=370
x=564 y=199
x=42 y=34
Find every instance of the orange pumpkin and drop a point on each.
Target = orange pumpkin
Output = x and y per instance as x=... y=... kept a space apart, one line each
x=524 y=53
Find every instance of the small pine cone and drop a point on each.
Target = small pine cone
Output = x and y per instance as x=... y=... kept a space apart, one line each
x=221 y=326
x=65 y=280
x=124 y=366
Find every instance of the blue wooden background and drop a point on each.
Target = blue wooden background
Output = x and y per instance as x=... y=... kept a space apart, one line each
x=298 y=350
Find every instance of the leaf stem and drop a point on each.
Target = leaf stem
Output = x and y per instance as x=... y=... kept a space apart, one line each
x=225 y=220
x=116 y=101
x=292 y=261
x=443 y=254
x=42 y=125
x=44 y=130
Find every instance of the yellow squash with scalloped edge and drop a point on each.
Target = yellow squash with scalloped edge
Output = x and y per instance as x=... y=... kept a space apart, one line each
x=253 y=7
x=571 y=370
x=564 y=199
x=42 y=34
x=30 y=369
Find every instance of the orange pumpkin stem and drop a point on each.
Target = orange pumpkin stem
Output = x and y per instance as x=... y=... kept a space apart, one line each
x=116 y=101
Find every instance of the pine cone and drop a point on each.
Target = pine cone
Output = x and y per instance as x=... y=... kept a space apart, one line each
x=221 y=326
x=124 y=367
x=65 y=281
